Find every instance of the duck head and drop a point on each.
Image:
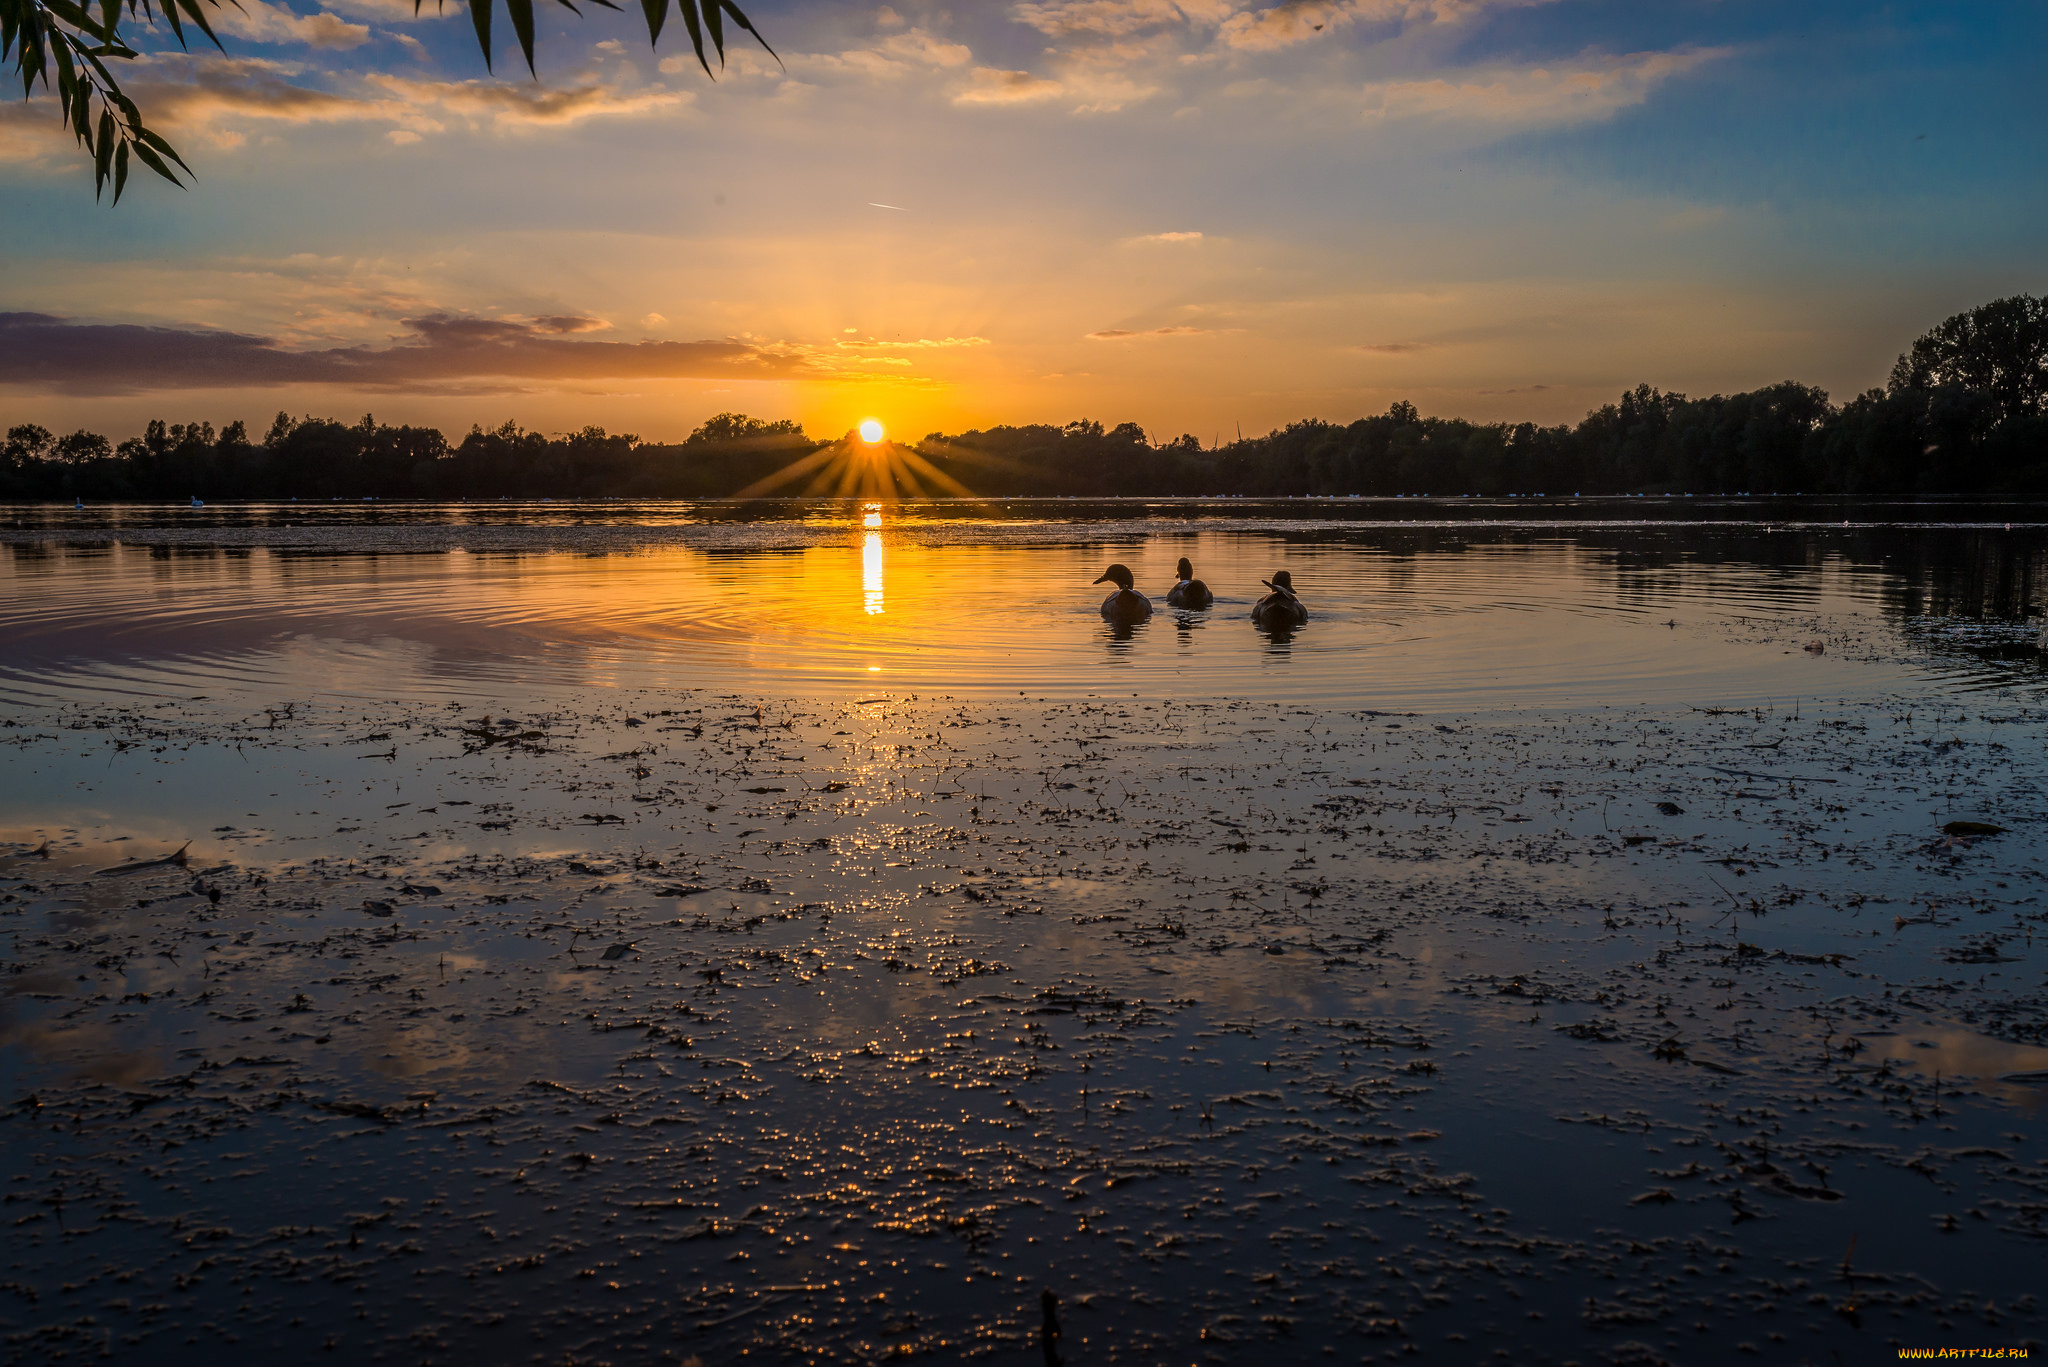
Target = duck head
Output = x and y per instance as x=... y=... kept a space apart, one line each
x=1281 y=580
x=1184 y=570
x=1118 y=575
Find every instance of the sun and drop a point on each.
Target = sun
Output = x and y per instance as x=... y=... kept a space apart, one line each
x=863 y=464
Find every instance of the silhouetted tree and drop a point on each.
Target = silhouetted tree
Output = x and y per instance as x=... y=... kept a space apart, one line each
x=1966 y=413
x=1998 y=350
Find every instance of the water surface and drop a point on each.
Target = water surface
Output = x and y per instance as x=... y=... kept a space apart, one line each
x=624 y=934
x=1471 y=604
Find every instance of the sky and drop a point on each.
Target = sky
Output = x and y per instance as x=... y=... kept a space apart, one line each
x=1204 y=216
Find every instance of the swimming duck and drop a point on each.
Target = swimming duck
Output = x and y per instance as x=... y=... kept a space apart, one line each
x=1126 y=604
x=197 y=502
x=1280 y=608
x=1190 y=592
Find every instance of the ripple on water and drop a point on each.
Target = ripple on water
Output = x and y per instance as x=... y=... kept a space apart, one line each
x=1465 y=614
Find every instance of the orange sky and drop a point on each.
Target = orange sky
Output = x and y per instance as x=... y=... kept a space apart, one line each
x=1203 y=216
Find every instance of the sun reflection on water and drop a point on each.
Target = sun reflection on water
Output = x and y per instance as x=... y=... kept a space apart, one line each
x=871 y=563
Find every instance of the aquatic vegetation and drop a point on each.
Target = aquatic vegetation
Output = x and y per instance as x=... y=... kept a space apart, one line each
x=699 y=1023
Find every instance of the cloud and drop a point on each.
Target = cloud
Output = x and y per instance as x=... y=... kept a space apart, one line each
x=510 y=105
x=197 y=93
x=569 y=323
x=1295 y=21
x=1298 y=21
x=922 y=344
x=920 y=46
x=993 y=86
x=898 y=55
x=1093 y=91
x=44 y=352
x=213 y=96
x=398 y=11
x=258 y=22
x=1116 y=18
x=1592 y=88
x=1391 y=348
x=1122 y=334
x=1162 y=238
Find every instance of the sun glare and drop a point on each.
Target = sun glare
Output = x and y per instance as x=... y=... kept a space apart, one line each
x=864 y=464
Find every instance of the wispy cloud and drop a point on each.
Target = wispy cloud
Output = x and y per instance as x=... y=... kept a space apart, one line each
x=1245 y=27
x=39 y=351
x=258 y=22
x=398 y=11
x=220 y=98
x=1090 y=88
x=1116 y=18
x=508 y=105
x=917 y=45
x=922 y=344
x=1162 y=238
x=991 y=85
x=898 y=55
x=1590 y=87
x=1298 y=21
x=1124 y=334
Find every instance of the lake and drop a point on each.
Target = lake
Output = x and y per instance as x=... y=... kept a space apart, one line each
x=1459 y=603
x=807 y=932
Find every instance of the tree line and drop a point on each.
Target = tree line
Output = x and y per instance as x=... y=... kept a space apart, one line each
x=1965 y=412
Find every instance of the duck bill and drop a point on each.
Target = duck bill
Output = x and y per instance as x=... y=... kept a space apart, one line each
x=1105 y=580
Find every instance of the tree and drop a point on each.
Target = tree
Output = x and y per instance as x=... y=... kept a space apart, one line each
x=82 y=446
x=30 y=441
x=1999 y=349
x=723 y=427
x=80 y=41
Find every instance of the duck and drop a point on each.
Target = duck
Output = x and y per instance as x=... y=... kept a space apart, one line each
x=198 y=502
x=1280 y=608
x=1189 y=592
x=1126 y=605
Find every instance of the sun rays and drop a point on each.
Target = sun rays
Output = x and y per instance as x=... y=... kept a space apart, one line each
x=857 y=466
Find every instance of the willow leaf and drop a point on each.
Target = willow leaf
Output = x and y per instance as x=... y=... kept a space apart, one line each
x=480 y=19
x=197 y=16
x=155 y=163
x=103 y=153
x=147 y=140
x=715 y=22
x=688 y=9
x=521 y=12
x=738 y=18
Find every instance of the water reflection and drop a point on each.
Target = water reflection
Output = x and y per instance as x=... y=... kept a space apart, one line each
x=1119 y=633
x=871 y=572
x=1474 y=615
x=871 y=561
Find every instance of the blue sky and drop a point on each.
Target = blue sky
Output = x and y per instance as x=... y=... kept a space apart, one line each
x=1194 y=214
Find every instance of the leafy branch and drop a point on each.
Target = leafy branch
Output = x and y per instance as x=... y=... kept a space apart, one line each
x=701 y=17
x=38 y=35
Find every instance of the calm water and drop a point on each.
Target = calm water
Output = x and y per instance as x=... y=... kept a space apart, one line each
x=1449 y=603
x=805 y=933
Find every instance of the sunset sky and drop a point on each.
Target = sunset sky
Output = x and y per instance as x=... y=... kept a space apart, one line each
x=1200 y=215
